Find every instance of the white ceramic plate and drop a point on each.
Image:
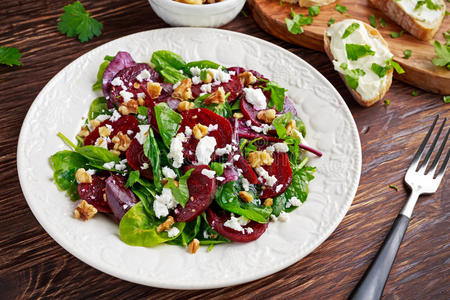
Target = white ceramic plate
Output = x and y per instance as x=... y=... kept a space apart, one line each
x=65 y=100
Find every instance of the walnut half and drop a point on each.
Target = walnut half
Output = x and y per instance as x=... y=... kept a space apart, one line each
x=183 y=91
x=84 y=211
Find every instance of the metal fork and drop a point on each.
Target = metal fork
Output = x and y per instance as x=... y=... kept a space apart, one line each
x=372 y=284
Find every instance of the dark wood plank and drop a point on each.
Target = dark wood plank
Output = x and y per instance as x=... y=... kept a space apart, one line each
x=33 y=266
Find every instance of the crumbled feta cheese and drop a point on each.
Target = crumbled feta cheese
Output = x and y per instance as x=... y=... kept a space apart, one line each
x=236 y=157
x=270 y=149
x=195 y=71
x=142 y=134
x=209 y=173
x=188 y=131
x=257 y=129
x=176 y=85
x=212 y=127
x=205 y=234
x=176 y=150
x=163 y=203
x=103 y=118
x=145 y=166
x=273 y=218
x=225 y=150
x=283 y=217
x=204 y=150
x=220 y=178
x=109 y=165
x=101 y=142
x=90 y=172
x=237 y=223
x=295 y=201
x=126 y=95
x=219 y=75
x=143 y=75
x=278 y=188
x=256 y=97
x=196 y=80
x=206 y=88
x=172 y=232
x=281 y=147
x=115 y=116
x=270 y=180
x=232 y=73
x=245 y=184
x=121 y=165
x=140 y=95
x=130 y=132
x=141 y=117
x=248 y=123
x=117 y=82
x=169 y=173
x=249 y=230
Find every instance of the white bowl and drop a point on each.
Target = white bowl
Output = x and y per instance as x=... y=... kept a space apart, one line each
x=207 y=15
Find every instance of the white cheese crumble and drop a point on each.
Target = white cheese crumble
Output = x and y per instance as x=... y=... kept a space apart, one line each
x=163 y=203
x=90 y=172
x=283 y=217
x=270 y=149
x=140 y=95
x=220 y=178
x=256 y=97
x=232 y=73
x=127 y=96
x=172 y=232
x=219 y=75
x=248 y=123
x=206 y=88
x=109 y=165
x=103 y=118
x=143 y=75
x=142 y=134
x=121 y=165
x=281 y=147
x=130 y=132
x=237 y=223
x=209 y=173
x=225 y=150
x=188 y=131
x=212 y=127
x=196 y=80
x=195 y=71
x=145 y=166
x=236 y=157
x=115 y=116
x=270 y=180
x=295 y=201
x=169 y=173
x=176 y=85
x=176 y=150
x=278 y=188
x=117 y=82
x=245 y=184
x=204 y=150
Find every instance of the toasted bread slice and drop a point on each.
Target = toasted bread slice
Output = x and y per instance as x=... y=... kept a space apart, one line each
x=383 y=89
x=402 y=12
x=308 y=3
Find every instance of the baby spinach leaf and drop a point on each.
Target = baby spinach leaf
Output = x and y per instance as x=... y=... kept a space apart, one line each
x=101 y=69
x=132 y=178
x=190 y=231
x=98 y=107
x=279 y=205
x=163 y=59
x=222 y=109
x=201 y=64
x=172 y=75
x=180 y=192
x=299 y=186
x=355 y=51
x=227 y=198
x=146 y=195
x=151 y=150
x=97 y=156
x=168 y=122
x=137 y=228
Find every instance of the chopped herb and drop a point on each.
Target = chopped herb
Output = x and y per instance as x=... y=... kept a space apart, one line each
x=446 y=99
x=447 y=13
x=295 y=24
x=76 y=21
x=395 y=65
x=396 y=34
x=293 y=27
x=407 y=53
x=381 y=71
x=10 y=56
x=314 y=10
x=341 y=8
x=355 y=51
x=281 y=3
x=352 y=76
x=414 y=93
x=382 y=22
x=443 y=53
x=393 y=187
x=387 y=102
x=373 y=21
x=244 y=13
x=447 y=37
x=430 y=5
x=331 y=21
x=350 y=29
x=203 y=75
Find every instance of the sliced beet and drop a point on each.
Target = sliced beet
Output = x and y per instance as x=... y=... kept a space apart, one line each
x=166 y=96
x=251 y=113
x=247 y=170
x=94 y=192
x=121 y=60
x=126 y=124
x=128 y=77
x=136 y=158
x=206 y=117
x=201 y=194
x=217 y=219
x=243 y=131
x=233 y=86
x=120 y=198
x=281 y=169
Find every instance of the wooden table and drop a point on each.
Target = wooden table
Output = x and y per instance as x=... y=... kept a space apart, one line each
x=32 y=265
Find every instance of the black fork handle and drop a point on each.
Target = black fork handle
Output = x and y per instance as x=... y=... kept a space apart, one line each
x=372 y=284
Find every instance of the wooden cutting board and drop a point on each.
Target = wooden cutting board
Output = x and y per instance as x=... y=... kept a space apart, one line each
x=420 y=71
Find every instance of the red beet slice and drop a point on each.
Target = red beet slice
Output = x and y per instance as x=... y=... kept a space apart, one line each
x=201 y=194
x=136 y=158
x=93 y=193
x=121 y=60
x=124 y=124
x=247 y=170
x=120 y=199
x=281 y=169
x=251 y=113
x=246 y=132
x=223 y=134
x=128 y=77
x=233 y=86
x=217 y=220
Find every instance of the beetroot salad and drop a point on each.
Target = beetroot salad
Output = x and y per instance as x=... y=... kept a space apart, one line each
x=186 y=154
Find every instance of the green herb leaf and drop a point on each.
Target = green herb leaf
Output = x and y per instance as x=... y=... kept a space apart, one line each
x=446 y=35
x=414 y=93
x=151 y=150
x=387 y=102
x=98 y=107
x=355 y=51
x=446 y=99
x=295 y=24
x=101 y=69
x=164 y=58
x=313 y=10
x=443 y=53
x=350 y=29
x=97 y=156
x=373 y=21
x=190 y=231
x=341 y=8
x=180 y=192
x=396 y=34
x=133 y=178
x=10 y=56
x=276 y=95
x=382 y=22
x=168 y=122
x=222 y=109
x=331 y=21
x=172 y=75
x=293 y=27
x=407 y=53
x=380 y=70
x=395 y=65
x=77 y=22
x=429 y=4
x=393 y=187
x=217 y=167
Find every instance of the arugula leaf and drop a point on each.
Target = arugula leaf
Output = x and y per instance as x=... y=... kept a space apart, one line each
x=276 y=95
x=314 y=11
x=10 y=56
x=248 y=146
x=172 y=75
x=407 y=53
x=446 y=99
x=168 y=122
x=373 y=21
x=217 y=167
x=98 y=107
x=382 y=22
x=151 y=150
x=355 y=51
x=331 y=21
x=180 y=192
x=77 y=22
x=443 y=53
x=396 y=34
x=101 y=69
x=341 y=8
x=163 y=59
x=350 y=29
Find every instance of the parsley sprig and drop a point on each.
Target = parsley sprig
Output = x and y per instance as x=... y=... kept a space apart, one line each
x=76 y=21
x=443 y=53
x=10 y=56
